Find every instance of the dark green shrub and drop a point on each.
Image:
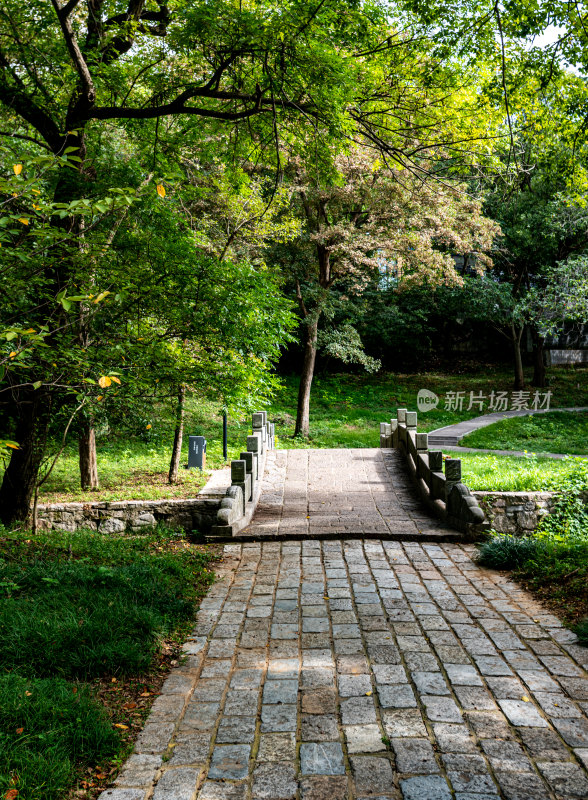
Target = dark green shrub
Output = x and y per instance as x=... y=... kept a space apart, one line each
x=503 y=551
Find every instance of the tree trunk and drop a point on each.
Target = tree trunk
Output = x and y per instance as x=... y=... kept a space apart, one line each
x=87 y=453
x=174 y=464
x=539 y=373
x=519 y=375
x=20 y=478
x=303 y=411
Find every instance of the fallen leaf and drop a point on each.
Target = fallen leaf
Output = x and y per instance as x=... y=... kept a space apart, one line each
x=28 y=694
x=113 y=680
x=121 y=726
x=130 y=705
x=145 y=694
x=525 y=699
x=11 y=794
x=17 y=168
x=100 y=776
x=369 y=694
x=160 y=190
x=19 y=730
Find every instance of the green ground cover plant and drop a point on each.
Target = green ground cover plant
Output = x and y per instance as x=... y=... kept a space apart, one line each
x=78 y=611
x=554 y=432
x=487 y=472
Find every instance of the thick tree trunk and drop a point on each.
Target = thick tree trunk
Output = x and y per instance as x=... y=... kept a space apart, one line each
x=539 y=372
x=20 y=478
x=87 y=453
x=174 y=464
x=303 y=411
x=519 y=375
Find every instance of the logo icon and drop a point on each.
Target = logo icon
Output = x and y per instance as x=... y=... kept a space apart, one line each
x=426 y=400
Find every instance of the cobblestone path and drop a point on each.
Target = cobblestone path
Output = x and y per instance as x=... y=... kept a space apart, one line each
x=340 y=670
x=365 y=492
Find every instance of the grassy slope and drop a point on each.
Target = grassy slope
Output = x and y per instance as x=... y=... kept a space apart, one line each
x=89 y=625
x=346 y=411
x=512 y=474
x=556 y=432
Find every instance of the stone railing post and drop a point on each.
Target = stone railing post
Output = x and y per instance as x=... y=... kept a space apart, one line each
x=254 y=446
x=422 y=442
x=250 y=468
x=239 y=477
x=258 y=424
x=452 y=474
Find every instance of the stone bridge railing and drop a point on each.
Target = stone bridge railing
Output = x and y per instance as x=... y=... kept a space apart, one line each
x=215 y=510
x=443 y=492
x=238 y=505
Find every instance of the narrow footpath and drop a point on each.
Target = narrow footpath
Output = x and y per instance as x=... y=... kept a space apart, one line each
x=344 y=667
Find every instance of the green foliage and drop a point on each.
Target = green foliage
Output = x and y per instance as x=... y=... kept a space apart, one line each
x=507 y=552
x=553 y=432
x=486 y=472
x=63 y=730
x=569 y=517
x=106 y=611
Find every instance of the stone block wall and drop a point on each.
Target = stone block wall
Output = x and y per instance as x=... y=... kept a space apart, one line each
x=518 y=513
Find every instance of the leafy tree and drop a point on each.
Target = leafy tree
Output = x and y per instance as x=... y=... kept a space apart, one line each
x=367 y=221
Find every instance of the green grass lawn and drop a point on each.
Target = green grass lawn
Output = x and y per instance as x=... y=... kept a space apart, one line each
x=85 y=620
x=346 y=411
x=555 y=432
x=487 y=472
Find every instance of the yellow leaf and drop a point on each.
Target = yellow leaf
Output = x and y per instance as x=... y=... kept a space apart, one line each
x=113 y=680
x=148 y=427
x=100 y=397
x=24 y=220
x=121 y=726
x=17 y=168
x=160 y=190
x=12 y=354
x=369 y=694
x=13 y=446
x=115 y=379
x=525 y=699
x=28 y=694
x=104 y=381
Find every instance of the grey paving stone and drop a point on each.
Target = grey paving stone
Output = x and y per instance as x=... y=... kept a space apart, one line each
x=474 y=698
x=190 y=748
x=319 y=701
x=139 y=770
x=521 y=785
x=390 y=673
x=278 y=718
x=489 y=724
x=453 y=738
x=430 y=683
x=415 y=756
x=472 y=782
x=354 y=685
x=573 y=731
x=177 y=784
x=463 y=675
x=122 y=794
x=319 y=728
x=154 y=738
x=236 y=730
x=275 y=782
x=357 y=710
x=213 y=790
x=277 y=747
x=522 y=714
x=364 y=739
x=396 y=696
x=404 y=722
x=322 y=787
x=280 y=691
x=566 y=778
x=372 y=775
x=441 y=709
x=432 y=787
x=321 y=758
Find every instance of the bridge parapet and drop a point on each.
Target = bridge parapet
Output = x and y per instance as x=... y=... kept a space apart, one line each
x=242 y=496
x=442 y=491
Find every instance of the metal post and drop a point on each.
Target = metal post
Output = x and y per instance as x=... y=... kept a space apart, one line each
x=225 y=449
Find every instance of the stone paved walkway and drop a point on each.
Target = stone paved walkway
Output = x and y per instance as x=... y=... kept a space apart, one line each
x=344 y=670
x=362 y=492
x=453 y=434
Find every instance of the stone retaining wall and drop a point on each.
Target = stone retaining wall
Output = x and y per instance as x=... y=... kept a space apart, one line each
x=222 y=507
x=518 y=513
